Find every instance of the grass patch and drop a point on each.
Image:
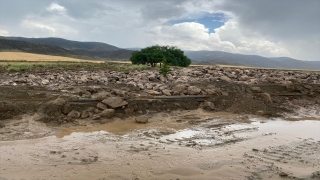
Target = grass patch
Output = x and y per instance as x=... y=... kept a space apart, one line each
x=23 y=66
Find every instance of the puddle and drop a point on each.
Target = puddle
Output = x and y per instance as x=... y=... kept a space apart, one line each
x=197 y=136
x=302 y=129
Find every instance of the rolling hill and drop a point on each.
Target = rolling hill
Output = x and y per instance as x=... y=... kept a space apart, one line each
x=23 y=46
x=88 y=49
x=219 y=57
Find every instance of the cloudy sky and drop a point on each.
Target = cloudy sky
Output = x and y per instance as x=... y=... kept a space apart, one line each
x=262 y=27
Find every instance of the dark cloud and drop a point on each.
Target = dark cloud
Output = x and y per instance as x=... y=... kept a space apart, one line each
x=279 y=18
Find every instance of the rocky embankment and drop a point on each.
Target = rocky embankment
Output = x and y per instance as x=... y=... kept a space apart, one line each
x=62 y=96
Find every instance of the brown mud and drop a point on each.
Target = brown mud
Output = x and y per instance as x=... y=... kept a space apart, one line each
x=184 y=145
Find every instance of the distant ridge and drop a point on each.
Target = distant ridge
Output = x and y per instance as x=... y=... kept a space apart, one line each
x=23 y=46
x=89 y=49
x=220 y=57
x=67 y=44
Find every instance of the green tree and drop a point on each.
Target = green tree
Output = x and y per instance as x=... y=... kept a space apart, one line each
x=155 y=54
x=165 y=68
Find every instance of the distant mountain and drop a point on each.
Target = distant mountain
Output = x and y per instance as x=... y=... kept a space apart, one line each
x=89 y=49
x=23 y=46
x=219 y=57
x=67 y=44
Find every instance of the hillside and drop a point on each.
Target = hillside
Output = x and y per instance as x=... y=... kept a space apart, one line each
x=23 y=46
x=88 y=49
x=67 y=44
x=219 y=57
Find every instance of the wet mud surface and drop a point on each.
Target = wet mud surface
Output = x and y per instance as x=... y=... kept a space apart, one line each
x=181 y=145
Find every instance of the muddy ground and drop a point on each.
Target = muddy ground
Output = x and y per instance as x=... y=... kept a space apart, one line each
x=183 y=145
x=227 y=130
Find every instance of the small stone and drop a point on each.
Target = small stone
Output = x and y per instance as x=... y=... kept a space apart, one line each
x=59 y=102
x=208 y=105
x=101 y=106
x=115 y=102
x=283 y=174
x=74 y=114
x=225 y=78
x=256 y=89
x=154 y=93
x=142 y=119
x=192 y=90
x=45 y=82
x=166 y=92
x=266 y=96
x=85 y=114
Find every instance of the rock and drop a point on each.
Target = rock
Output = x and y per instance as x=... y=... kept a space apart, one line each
x=283 y=174
x=266 y=96
x=107 y=113
x=31 y=76
x=192 y=90
x=256 y=89
x=66 y=109
x=225 y=78
x=142 y=119
x=225 y=94
x=211 y=91
x=115 y=102
x=308 y=87
x=129 y=111
x=59 y=102
x=74 y=114
x=101 y=106
x=154 y=93
x=45 y=82
x=166 y=92
x=208 y=105
x=101 y=95
x=84 y=78
x=178 y=89
x=85 y=114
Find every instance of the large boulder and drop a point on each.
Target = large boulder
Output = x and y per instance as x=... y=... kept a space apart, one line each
x=178 y=89
x=107 y=113
x=115 y=102
x=192 y=90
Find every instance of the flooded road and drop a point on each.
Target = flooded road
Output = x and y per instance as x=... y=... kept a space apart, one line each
x=184 y=147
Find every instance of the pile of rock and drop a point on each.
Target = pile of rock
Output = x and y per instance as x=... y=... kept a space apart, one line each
x=151 y=80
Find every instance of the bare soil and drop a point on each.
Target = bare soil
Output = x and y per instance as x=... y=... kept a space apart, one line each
x=193 y=144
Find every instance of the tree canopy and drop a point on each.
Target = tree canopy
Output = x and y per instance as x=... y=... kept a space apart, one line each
x=155 y=54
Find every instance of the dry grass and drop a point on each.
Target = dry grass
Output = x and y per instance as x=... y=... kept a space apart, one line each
x=30 y=57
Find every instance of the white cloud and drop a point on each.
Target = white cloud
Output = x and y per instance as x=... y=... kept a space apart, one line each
x=195 y=36
x=56 y=7
x=39 y=29
x=4 y=32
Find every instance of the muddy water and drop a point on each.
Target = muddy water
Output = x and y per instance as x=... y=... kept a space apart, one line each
x=187 y=148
